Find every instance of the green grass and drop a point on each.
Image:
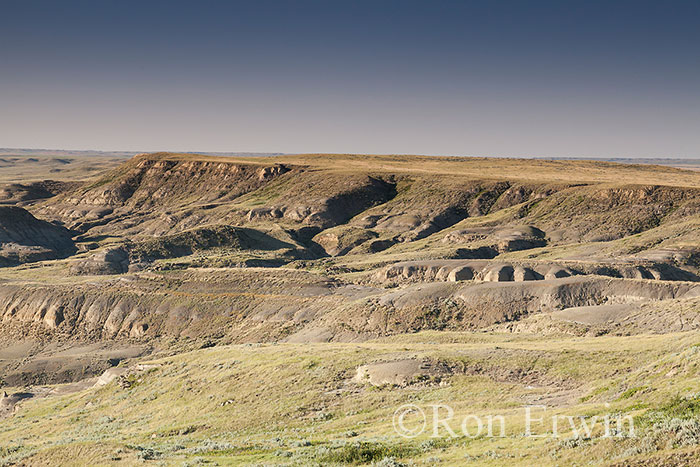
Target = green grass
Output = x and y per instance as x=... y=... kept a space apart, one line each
x=290 y=403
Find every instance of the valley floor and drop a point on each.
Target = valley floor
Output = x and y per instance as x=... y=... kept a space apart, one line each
x=340 y=403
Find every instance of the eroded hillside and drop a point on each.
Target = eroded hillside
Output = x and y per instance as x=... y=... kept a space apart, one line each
x=167 y=254
x=180 y=245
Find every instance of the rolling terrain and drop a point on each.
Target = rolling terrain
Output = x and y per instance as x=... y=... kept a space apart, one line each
x=159 y=309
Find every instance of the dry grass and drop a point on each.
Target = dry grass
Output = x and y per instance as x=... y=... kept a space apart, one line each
x=24 y=168
x=295 y=405
x=531 y=170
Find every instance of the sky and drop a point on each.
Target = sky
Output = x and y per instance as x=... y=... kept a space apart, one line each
x=492 y=78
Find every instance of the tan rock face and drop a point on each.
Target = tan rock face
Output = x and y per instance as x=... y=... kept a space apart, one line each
x=138 y=330
x=461 y=273
x=489 y=271
x=116 y=318
x=521 y=274
x=113 y=260
x=556 y=272
x=499 y=273
x=267 y=173
x=400 y=372
x=54 y=317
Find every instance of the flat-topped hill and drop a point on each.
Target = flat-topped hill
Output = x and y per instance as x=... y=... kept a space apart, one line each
x=359 y=205
x=577 y=171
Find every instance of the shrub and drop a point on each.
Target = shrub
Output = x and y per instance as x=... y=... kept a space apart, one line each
x=364 y=452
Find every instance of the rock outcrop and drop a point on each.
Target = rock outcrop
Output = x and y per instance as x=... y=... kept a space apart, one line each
x=454 y=270
x=24 y=238
x=401 y=372
x=108 y=261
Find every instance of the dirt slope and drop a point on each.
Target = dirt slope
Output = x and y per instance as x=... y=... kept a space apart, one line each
x=24 y=238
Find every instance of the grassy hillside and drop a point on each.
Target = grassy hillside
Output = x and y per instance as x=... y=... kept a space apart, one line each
x=299 y=405
x=279 y=310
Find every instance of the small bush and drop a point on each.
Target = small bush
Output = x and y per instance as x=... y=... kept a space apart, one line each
x=389 y=462
x=682 y=407
x=365 y=452
x=631 y=392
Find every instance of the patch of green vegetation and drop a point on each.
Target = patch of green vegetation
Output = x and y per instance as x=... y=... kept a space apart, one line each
x=268 y=193
x=594 y=393
x=364 y=452
x=681 y=407
x=631 y=392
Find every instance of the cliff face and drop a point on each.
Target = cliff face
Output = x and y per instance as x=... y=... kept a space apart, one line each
x=24 y=238
x=274 y=304
x=153 y=195
x=158 y=194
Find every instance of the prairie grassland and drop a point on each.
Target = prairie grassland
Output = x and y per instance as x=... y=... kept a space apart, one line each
x=290 y=404
x=537 y=170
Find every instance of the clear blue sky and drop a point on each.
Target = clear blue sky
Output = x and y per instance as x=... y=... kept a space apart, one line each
x=519 y=78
